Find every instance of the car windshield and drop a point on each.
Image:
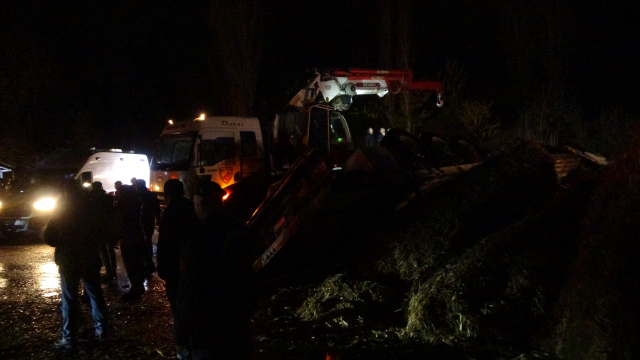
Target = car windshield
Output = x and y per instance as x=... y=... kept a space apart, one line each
x=51 y=171
x=173 y=151
x=39 y=181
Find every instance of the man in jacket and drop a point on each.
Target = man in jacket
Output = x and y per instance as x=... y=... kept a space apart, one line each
x=150 y=212
x=103 y=204
x=178 y=226
x=216 y=317
x=383 y=132
x=131 y=239
x=370 y=140
x=77 y=255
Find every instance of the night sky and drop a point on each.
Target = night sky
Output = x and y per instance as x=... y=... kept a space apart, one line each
x=118 y=70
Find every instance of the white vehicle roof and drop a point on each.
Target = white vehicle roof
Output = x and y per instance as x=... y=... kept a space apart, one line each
x=213 y=122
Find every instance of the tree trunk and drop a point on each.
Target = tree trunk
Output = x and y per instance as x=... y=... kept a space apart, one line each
x=236 y=26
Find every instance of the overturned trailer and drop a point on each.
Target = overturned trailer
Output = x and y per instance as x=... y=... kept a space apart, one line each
x=317 y=192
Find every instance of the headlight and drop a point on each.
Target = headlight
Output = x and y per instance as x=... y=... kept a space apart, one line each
x=45 y=204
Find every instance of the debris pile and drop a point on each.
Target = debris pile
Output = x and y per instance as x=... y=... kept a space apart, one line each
x=599 y=313
x=476 y=266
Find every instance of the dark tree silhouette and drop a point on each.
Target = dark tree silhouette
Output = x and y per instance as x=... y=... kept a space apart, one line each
x=237 y=32
x=394 y=40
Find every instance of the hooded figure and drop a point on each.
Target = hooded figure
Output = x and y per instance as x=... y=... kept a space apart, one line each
x=131 y=239
x=150 y=212
x=215 y=317
x=177 y=227
x=102 y=203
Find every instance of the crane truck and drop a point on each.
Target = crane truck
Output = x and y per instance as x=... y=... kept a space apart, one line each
x=322 y=169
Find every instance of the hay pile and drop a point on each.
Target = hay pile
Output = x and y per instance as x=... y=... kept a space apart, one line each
x=480 y=266
x=337 y=294
x=487 y=256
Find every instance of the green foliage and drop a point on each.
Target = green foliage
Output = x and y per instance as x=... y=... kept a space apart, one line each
x=608 y=134
x=599 y=317
x=454 y=79
x=475 y=115
x=552 y=120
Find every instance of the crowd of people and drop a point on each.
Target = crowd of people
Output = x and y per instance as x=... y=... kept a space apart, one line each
x=201 y=257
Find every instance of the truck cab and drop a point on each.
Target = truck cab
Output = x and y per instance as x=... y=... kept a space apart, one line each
x=319 y=127
x=226 y=150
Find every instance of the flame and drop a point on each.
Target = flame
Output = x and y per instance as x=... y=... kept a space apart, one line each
x=226 y=196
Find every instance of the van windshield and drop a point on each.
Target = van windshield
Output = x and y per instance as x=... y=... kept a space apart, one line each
x=173 y=152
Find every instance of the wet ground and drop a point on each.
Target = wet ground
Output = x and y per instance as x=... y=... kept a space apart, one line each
x=30 y=312
x=30 y=320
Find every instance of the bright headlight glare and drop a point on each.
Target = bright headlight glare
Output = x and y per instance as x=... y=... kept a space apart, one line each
x=45 y=204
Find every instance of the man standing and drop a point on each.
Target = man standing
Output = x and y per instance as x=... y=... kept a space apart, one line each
x=78 y=258
x=102 y=203
x=150 y=211
x=383 y=132
x=370 y=141
x=178 y=226
x=216 y=317
x=131 y=239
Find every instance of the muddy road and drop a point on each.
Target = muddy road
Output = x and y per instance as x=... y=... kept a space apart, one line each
x=30 y=312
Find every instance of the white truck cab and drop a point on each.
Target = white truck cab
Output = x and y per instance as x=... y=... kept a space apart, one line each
x=222 y=149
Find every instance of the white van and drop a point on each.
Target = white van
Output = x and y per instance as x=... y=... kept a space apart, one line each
x=28 y=207
x=111 y=166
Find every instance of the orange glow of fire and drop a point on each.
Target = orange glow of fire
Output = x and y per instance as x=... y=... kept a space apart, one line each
x=226 y=196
